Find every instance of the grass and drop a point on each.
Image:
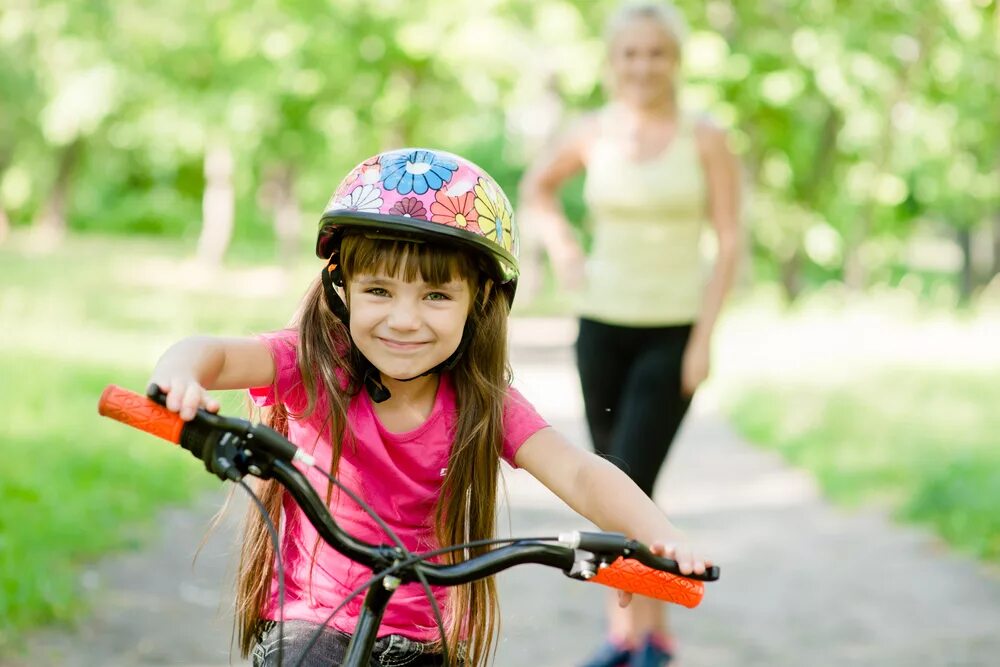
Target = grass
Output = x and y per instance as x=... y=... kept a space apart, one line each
x=75 y=486
x=922 y=441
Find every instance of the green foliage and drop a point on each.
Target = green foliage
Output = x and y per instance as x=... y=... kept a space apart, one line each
x=74 y=485
x=922 y=441
x=863 y=125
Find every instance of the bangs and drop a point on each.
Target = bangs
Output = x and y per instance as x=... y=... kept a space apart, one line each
x=437 y=263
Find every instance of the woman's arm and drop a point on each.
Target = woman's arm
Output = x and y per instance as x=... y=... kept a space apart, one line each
x=191 y=366
x=539 y=200
x=602 y=493
x=722 y=174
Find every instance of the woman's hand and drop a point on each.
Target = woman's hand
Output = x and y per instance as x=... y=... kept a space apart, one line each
x=185 y=395
x=678 y=550
x=567 y=262
x=695 y=365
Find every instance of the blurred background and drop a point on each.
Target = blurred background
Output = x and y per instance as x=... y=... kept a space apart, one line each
x=163 y=166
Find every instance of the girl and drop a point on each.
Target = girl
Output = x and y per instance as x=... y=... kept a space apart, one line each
x=654 y=178
x=396 y=378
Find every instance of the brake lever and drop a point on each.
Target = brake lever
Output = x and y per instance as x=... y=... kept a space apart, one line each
x=222 y=443
x=605 y=548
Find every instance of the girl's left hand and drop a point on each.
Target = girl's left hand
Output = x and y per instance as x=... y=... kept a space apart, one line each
x=688 y=561
x=694 y=365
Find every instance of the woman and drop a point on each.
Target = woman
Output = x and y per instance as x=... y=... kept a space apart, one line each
x=653 y=177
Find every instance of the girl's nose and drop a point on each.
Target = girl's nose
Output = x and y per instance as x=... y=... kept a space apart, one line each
x=404 y=316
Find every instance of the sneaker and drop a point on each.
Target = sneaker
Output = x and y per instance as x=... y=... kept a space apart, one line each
x=651 y=654
x=609 y=655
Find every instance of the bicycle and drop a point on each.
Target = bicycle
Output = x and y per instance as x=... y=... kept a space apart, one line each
x=232 y=448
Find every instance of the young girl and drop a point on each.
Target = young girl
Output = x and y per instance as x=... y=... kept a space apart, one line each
x=396 y=379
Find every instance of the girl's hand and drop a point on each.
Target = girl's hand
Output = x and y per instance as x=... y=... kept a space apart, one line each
x=695 y=365
x=185 y=396
x=688 y=561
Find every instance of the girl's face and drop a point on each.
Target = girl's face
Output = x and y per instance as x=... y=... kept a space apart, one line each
x=405 y=328
x=644 y=58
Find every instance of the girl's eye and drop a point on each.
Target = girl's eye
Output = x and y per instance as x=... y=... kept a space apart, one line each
x=376 y=291
x=438 y=296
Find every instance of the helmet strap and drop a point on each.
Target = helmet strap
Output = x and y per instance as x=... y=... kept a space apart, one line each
x=333 y=277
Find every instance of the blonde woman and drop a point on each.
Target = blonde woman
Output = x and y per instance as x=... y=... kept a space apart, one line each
x=654 y=178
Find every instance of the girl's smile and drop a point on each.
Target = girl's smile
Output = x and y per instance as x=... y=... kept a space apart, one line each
x=403 y=346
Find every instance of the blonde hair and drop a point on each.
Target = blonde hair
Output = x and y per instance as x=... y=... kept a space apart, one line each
x=666 y=14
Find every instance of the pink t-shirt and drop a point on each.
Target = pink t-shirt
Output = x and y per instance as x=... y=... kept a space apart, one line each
x=398 y=474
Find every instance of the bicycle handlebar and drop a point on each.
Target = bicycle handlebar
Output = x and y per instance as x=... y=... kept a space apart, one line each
x=232 y=448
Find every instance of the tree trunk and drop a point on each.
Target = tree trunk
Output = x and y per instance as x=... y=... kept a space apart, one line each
x=5 y=160
x=4 y=225
x=809 y=192
x=218 y=206
x=535 y=124
x=50 y=224
x=277 y=195
x=791 y=275
x=981 y=254
x=995 y=269
x=966 y=279
x=855 y=272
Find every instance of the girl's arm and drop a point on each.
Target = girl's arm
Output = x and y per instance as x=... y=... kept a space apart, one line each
x=722 y=173
x=193 y=365
x=539 y=199
x=602 y=493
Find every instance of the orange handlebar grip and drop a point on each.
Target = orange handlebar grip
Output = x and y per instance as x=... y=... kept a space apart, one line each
x=140 y=412
x=634 y=577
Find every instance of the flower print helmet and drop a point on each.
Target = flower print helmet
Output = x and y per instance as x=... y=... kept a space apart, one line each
x=425 y=195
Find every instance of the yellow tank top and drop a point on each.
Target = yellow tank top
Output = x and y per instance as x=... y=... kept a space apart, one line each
x=644 y=267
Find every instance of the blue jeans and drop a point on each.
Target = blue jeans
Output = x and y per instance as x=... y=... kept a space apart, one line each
x=331 y=648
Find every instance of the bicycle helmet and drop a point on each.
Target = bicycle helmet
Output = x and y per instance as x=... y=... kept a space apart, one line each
x=420 y=194
x=425 y=194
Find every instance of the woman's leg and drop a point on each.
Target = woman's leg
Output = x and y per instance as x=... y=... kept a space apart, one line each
x=652 y=411
x=652 y=406
x=603 y=357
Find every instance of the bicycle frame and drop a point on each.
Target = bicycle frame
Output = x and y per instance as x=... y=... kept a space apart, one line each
x=233 y=448
x=385 y=557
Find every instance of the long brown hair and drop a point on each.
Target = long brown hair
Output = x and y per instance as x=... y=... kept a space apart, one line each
x=466 y=506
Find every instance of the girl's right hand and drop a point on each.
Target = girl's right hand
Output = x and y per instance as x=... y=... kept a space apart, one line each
x=185 y=396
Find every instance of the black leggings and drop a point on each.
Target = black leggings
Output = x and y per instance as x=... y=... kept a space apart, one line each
x=631 y=380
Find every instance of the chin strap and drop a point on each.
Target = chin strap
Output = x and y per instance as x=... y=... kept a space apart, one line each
x=333 y=277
